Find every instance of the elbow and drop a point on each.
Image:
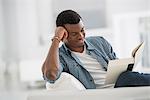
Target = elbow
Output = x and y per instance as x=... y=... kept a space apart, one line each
x=51 y=74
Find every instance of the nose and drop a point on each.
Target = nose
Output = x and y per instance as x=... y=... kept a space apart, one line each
x=81 y=34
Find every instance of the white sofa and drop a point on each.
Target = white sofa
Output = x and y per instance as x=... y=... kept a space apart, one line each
x=128 y=93
x=65 y=82
x=69 y=88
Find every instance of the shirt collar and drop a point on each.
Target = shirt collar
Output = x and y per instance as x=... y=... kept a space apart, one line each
x=89 y=45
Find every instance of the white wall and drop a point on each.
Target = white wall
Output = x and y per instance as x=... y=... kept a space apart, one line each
x=34 y=24
x=26 y=24
x=125 y=6
x=126 y=34
x=1 y=38
x=1 y=30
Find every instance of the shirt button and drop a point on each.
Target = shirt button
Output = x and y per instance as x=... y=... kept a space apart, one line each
x=77 y=65
x=89 y=53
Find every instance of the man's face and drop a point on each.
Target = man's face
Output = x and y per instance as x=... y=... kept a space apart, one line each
x=76 y=35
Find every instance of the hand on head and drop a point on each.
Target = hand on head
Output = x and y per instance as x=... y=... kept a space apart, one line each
x=61 y=33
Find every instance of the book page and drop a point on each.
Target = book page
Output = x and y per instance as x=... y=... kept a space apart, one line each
x=138 y=54
x=115 y=68
x=136 y=49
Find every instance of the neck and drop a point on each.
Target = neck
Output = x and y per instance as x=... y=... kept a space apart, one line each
x=79 y=49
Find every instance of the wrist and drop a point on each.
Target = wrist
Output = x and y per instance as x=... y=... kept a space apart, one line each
x=56 y=38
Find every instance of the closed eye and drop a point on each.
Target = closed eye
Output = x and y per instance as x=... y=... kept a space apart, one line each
x=82 y=30
x=74 y=33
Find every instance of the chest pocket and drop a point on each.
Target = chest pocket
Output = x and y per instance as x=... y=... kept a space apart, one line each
x=72 y=66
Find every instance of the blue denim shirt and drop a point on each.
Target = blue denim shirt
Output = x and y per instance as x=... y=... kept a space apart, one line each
x=97 y=47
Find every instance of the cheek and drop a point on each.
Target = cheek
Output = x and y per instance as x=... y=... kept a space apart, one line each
x=69 y=40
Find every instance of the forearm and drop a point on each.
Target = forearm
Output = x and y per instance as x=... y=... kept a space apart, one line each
x=51 y=64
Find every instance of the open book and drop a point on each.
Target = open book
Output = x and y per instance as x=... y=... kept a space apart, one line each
x=117 y=66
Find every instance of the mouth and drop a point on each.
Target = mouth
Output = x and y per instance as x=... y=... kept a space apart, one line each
x=81 y=40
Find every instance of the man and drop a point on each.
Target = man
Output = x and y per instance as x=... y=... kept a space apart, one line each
x=84 y=58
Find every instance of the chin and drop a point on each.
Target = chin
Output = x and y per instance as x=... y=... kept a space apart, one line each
x=81 y=44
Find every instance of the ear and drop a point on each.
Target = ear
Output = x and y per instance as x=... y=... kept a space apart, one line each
x=64 y=40
x=65 y=36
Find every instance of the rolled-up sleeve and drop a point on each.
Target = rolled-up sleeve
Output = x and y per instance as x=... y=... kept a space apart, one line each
x=58 y=74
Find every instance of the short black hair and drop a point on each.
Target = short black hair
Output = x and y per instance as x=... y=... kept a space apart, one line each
x=67 y=17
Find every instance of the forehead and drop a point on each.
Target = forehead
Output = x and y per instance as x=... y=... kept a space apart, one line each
x=74 y=27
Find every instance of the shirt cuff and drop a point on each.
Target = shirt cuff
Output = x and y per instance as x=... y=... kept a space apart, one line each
x=48 y=80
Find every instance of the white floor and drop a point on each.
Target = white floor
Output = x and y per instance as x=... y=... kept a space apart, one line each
x=12 y=89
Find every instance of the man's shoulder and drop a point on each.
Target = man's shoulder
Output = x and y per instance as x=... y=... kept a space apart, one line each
x=95 y=38
x=97 y=41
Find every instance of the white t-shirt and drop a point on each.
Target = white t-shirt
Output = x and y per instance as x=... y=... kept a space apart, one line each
x=94 y=68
